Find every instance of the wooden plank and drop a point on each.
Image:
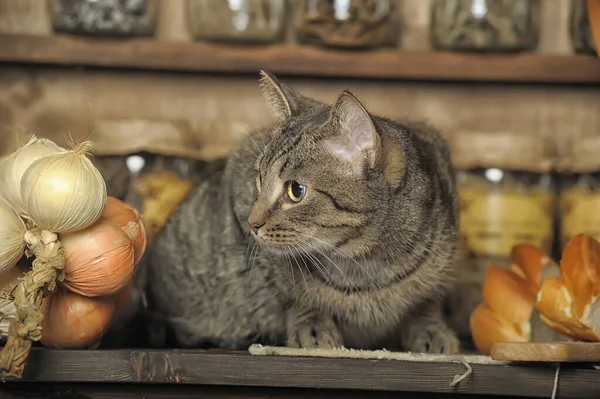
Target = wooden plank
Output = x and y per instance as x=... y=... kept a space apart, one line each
x=572 y=352
x=300 y=60
x=241 y=369
x=138 y=391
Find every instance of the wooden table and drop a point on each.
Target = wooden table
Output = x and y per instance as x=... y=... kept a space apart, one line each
x=218 y=374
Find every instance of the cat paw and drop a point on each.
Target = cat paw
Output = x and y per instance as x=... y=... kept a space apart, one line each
x=436 y=338
x=320 y=334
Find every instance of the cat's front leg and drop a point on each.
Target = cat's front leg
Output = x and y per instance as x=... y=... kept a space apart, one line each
x=427 y=332
x=307 y=328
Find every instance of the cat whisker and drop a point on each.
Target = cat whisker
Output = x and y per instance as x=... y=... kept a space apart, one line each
x=316 y=263
x=333 y=247
x=250 y=151
x=252 y=257
x=300 y=269
x=305 y=265
x=262 y=140
x=320 y=252
x=339 y=269
x=251 y=139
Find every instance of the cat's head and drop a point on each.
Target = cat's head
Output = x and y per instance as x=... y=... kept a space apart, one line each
x=323 y=181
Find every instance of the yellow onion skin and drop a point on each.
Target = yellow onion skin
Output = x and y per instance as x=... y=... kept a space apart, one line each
x=63 y=192
x=14 y=166
x=129 y=219
x=74 y=321
x=99 y=259
x=12 y=232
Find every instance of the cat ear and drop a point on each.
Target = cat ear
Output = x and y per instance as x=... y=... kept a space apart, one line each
x=356 y=140
x=283 y=101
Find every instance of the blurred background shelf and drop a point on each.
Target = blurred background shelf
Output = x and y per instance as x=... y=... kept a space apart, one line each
x=304 y=61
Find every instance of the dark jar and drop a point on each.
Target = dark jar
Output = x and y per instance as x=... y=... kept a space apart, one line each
x=485 y=25
x=581 y=33
x=117 y=18
x=347 y=23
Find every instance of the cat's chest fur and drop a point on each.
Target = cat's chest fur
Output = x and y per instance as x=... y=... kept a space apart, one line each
x=367 y=312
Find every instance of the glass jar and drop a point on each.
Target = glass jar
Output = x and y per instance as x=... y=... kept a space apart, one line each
x=118 y=18
x=243 y=21
x=347 y=23
x=501 y=208
x=581 y=34
x=506 y=192
x=485 y=25
x=579 y=207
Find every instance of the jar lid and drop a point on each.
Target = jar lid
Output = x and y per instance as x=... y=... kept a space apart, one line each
x=582 y=156
x=504 y=150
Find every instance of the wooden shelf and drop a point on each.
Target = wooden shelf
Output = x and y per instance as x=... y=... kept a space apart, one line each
x=300 y=60
x=222 y=368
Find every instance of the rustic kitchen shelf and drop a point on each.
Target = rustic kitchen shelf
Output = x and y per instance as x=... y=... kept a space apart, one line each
x=300 y=60
x=96 y=370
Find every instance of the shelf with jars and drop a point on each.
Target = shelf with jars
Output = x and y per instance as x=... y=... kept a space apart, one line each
x=299 y=60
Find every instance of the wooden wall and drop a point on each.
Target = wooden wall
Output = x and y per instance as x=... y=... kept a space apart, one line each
x=54 y=102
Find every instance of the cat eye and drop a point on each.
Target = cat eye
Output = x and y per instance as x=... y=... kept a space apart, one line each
x=295 y=191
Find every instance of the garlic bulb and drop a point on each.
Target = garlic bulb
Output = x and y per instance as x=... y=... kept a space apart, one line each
x=12 y=230
x=64 y=192
x=13 y=167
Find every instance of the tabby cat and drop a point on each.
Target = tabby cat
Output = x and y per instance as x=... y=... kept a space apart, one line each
x=333 y=227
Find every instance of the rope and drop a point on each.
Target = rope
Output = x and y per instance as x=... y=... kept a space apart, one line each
x=460 y=377
x=27 y=297
x=555 y=386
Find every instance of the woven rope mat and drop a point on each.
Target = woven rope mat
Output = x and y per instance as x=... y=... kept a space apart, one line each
x=343 y=353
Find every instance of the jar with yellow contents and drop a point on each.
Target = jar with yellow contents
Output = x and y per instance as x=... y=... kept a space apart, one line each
x=580 y=191
x=507 y=196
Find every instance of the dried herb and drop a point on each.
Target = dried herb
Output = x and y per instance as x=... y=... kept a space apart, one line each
x=350 y=23
x=581 y=34
x=485 y=25
x=258 y=21
x=104 y=17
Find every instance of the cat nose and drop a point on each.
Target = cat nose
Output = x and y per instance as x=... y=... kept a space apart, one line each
x=254 y=226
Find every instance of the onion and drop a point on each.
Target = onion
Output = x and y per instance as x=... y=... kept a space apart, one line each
x=12 y=231
x=75 y=321
x=99 y=259
x=64 y=192
x=129 y=220
x=16 y=164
